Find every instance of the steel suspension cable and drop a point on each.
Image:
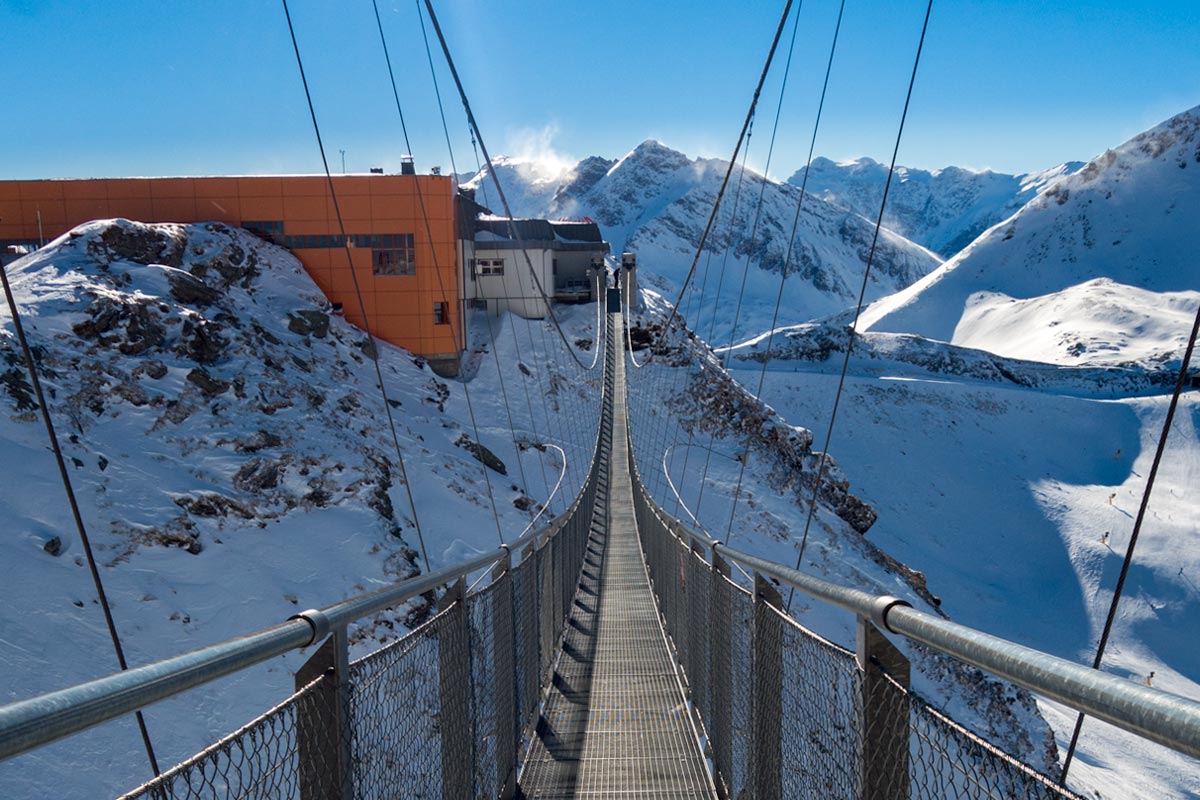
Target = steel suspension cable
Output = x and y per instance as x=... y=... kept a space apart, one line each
x=454 y=168
x=745 y=271
x=445 y=297
x=550 y=419
x=1137 y=529
x=787 y=8
x=737 y=193
x=374 y=350
x=512 y=328
x=812 y=505
x=31 y=366
x=499 y=189
x=812 y=146
x=437 y=28
x=742 y=136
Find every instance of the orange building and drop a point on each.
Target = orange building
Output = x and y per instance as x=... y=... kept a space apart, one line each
x=407 y=270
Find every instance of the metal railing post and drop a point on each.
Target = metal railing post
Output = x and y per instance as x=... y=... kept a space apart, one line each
x=503 y=643
x=720 y=727
x=766 y=750
x=883 y=716
x=322 y=726
x=454 y=679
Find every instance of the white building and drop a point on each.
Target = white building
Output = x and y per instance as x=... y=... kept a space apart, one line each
x=515 y=266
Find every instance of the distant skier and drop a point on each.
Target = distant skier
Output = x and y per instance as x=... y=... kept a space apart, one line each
x=1112 y=497
x=1104 y=538
x=1150 y=678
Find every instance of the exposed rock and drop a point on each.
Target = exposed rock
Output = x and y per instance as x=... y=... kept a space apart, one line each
x=190 y=290
x=153 y=369
x=309 y=323
x=209 y=384
x=260 y=440
x=201 y=341
x=140 y=243
x=18 y=388
x=53 y=545
x=213 y=505
x=482 y=454
x=257 y=475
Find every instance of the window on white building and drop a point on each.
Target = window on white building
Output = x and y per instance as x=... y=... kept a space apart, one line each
x=489 y=266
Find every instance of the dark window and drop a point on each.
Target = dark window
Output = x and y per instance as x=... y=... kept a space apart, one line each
x=393 y=254
x=441 y=313
x=489 y=266
x=271 y=230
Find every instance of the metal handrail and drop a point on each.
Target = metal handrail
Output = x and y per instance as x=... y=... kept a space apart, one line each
x=31 y=723
x=1161 y=717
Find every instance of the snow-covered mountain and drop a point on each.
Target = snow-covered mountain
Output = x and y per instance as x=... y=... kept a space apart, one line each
x=655 y=201
x=230 y=451
x=944 y=210
x=1099 y=268
x=232 y=458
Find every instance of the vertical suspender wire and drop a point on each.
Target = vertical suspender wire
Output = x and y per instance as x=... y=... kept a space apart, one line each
x=437 y=28
x=753 y=234
x=666 y=329
x=1137 y=529
x=812 y=505
x=437 y=91
x=512 y=326
x=71 y=500
x=549 y=427
x=812 y=146
x=737 y=196
x=458 y=336
x=787 y=8
x=362 y=309
x=462 y=327
x=737 y=193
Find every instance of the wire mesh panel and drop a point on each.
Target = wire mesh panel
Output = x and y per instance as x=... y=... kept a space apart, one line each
x=948 y=761
x=739 y=605
x=260 y=760
x=395 y=717
x=699 y=600
x=481 y=610
x=820 y=720
x=526 y=656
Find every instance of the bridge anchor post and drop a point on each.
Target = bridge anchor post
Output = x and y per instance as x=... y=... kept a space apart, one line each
x=454 y=679
x=766 y=753
x=883 y=716
x=503 y=638
x=322 y=736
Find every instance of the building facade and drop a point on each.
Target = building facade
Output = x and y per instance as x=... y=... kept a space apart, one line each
x=420 y=253
x=566 y=258
x=405 y=257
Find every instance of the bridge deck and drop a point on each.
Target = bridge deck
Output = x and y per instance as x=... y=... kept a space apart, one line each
x=615 y=723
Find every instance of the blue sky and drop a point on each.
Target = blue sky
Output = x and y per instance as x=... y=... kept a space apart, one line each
x=167 y=87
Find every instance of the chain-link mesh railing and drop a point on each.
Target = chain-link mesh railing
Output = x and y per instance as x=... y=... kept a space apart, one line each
x=788 y=714
x=949 y=762
x=820 y=733
x=437 y=714
x=394 y=715
x=262 y=760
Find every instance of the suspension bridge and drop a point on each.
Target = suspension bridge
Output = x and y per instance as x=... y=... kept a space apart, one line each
x=612 y=651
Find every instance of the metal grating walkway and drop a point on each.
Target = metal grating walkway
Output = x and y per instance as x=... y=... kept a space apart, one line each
x=615 y=723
